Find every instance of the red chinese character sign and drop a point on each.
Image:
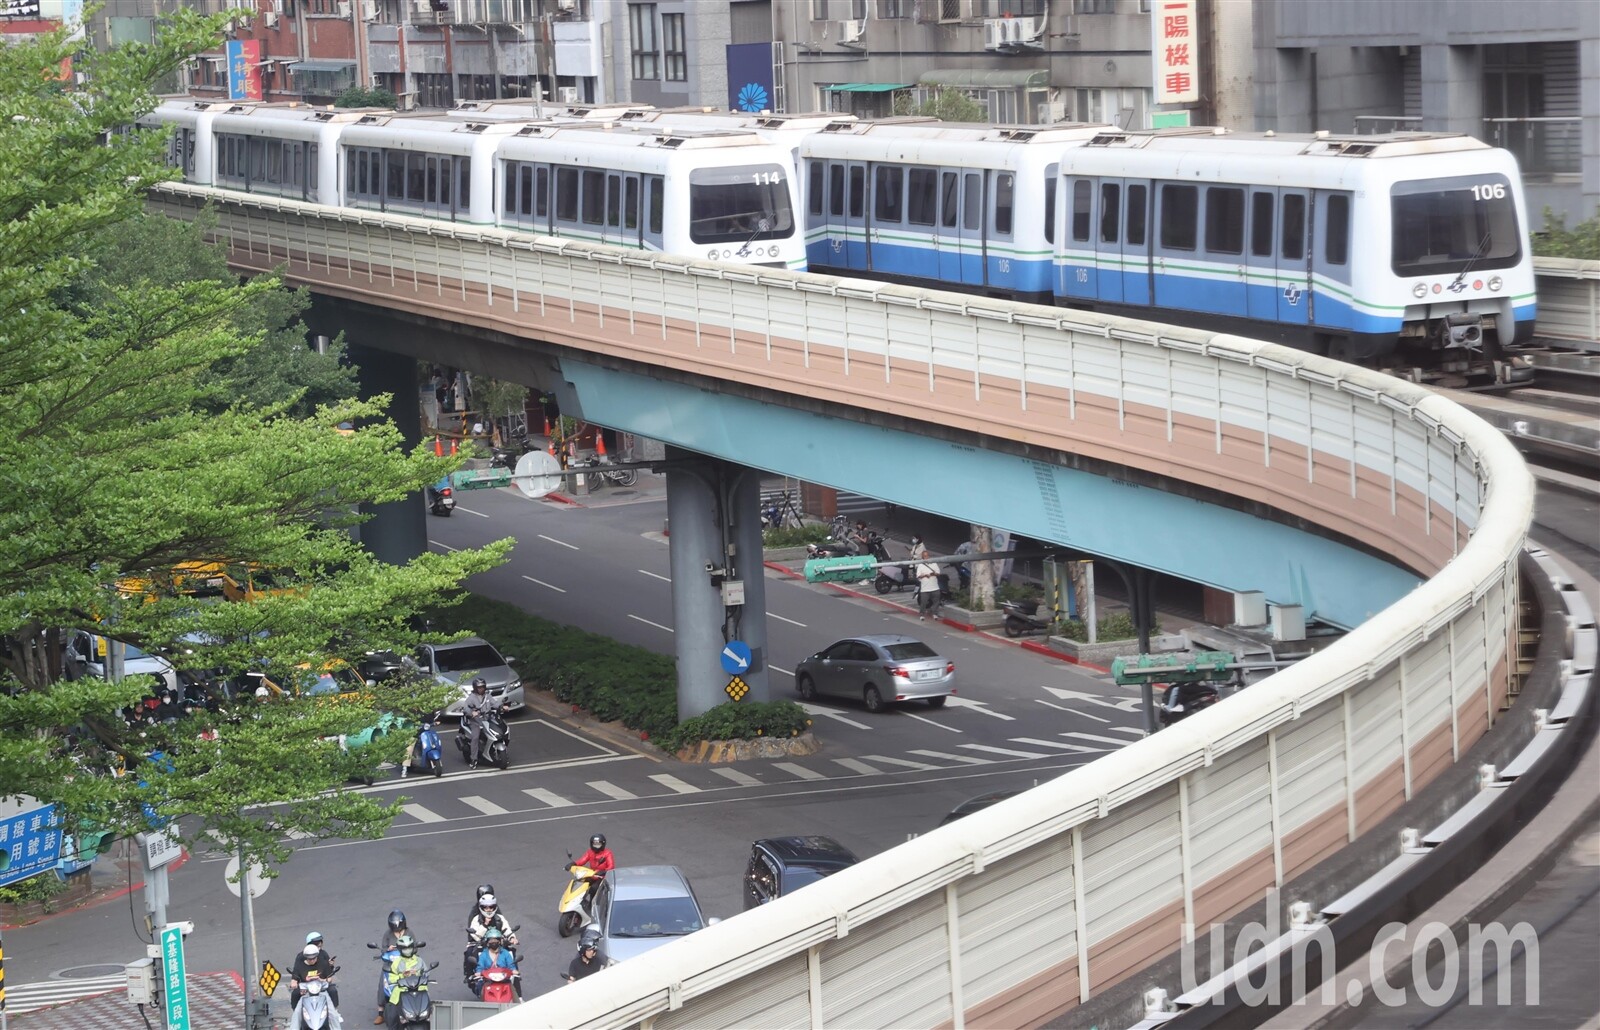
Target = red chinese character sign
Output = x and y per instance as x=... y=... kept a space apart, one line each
x=1176 y=50
x=244 y=69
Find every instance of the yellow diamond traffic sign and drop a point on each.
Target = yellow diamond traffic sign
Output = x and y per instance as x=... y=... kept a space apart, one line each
x=269 y=979
x=736 y=689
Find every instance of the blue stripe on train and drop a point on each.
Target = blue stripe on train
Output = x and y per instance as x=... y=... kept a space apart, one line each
x=934 y=266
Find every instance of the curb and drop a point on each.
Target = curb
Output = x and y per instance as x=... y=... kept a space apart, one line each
x=561 y=498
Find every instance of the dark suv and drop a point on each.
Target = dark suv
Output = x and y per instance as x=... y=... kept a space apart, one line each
x=782 y=865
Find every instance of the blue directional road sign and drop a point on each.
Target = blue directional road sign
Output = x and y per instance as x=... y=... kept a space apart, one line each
x=736 y=657
x=177 y=980
x=30 y=839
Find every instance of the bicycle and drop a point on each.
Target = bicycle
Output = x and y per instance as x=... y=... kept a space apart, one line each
x=781 y=513
x=603 y=472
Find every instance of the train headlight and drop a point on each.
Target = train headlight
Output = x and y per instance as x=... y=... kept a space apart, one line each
x=1495 y=283
x=772 y=251
x=1420 y=290
x=713 y=255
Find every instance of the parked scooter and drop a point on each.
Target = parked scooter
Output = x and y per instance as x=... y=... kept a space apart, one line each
x=1181 y=700
x=427 y=751
x=441 y=498
x=506 y=457
x=496 y=737
x=1025 y=617
x=573 y=911
x=314 y=1010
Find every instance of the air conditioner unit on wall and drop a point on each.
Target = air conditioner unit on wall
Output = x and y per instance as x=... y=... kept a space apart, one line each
x=271 y=19
x=567 y=5
x=567 y=94
x=1012 y=33
x=846 y=32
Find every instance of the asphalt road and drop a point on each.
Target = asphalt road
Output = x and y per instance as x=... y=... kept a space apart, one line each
x=879 y=779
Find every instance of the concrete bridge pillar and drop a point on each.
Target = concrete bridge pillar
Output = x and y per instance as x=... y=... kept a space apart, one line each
x=713 y=508
x=396 y=531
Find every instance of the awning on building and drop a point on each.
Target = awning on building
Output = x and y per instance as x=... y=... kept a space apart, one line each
x=322 y=66
x=970 y=78
x=867 y=87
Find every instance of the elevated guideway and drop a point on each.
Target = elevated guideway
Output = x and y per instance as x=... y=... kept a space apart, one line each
x=1372 y=502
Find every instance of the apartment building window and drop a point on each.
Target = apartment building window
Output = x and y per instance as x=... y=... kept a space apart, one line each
x=676 y=67
x=433 y=90
x=949 y=10
x=646 y=50
x=1011 y=8
x=890 y=9
x=1094 y=6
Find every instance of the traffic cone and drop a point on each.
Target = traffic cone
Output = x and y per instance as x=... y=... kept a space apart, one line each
x=438 y=447
x=547 y=425
x=600 y=444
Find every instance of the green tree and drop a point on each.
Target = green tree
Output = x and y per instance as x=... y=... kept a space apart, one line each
x=1581 y=242
x=947 y=105
x=118 y=461
x=498 y=398
x=367 y=96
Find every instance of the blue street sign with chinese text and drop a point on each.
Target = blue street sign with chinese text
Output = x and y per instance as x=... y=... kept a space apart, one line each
x=30 y=840
x=177 y=980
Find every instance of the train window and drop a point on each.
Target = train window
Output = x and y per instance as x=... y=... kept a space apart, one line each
x=1224 y=220
x=1136 y=208
x=1050 y=174
x=431 y=193
x=566 y=194
x=311 y=168
x=922 y=196
x=613 y=201
x=519 y=190
x=858 y=190
x=541 y=193
x=1261 y=212
x=949 y=196
x=630 y=204
x=739 y=205
x=658 y=200
x=1292 y=240
x=888 y=185
x=594 y=197
x=1445 y=226
x=1004 y=186
x=1082 y=198
x=1336 y=249
x=1110 y=211
x=394 y=174
x=814 y=187
x=972 y=202
x=463 y=166
x=1180 y=206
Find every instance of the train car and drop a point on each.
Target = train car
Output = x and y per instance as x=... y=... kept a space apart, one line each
x=723 y=196
x=189 y=147
x=937 y=204
x=422 y=164
x=280 y=150
x=1405 y=251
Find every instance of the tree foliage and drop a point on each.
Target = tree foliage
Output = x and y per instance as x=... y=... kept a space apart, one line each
x=947 y=105
x=367 y=96
x=131 y=442
x=1582 y=241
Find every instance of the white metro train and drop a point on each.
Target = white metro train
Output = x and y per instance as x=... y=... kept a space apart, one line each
x=723 y=195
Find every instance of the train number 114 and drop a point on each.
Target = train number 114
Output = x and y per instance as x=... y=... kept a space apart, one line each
x=768 y=178
x=1489 y=191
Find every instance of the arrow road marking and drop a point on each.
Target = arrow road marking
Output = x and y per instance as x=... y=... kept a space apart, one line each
x=1123 y=704
x=977 y=706
x=1070 y=711
x=930 y=722
x=737 y=659
x=830 y=713
x=542 y=583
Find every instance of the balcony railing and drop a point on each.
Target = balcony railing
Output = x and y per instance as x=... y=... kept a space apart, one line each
x=1545 y=147
x=1378 y=124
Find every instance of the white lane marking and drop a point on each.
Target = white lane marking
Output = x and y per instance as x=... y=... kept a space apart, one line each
x=1132 y=731
x=445 y=546
x=656 y=575
x=549 y=798
x=1004 y=751
x=775 y=615
x=563 y=543
x=552 y=586
x=1122 y=704
x=483 y=805
x=28 y=997
x=1114 y=741
x=858 y=767
x=900 y=761
x=421 y=814
x=964 y=759
x=672 y=783
x=830 y=713
x=611 y=790
x=743 y=779
x=1077 y=748
x=469 y=511
x=977 y=706
x=799 y=772
x=930 y=722
x=1071 y=711
x=647 y=622
x=786 y=672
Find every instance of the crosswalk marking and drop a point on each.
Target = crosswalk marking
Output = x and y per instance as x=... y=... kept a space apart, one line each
x=549 y=798
x=906 y=762
x=1097 y=738
x=1132 y=731
x=421 y=814
x=799 y=772
x=1076 y=748
x=857 y=767
x=743 y=779
x=483 y=805
x=966 y=759
x=611 y=790
x=671 y=782
x=1003 y=751
x=28 y=997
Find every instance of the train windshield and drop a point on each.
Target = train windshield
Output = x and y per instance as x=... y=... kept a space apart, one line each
x=735 y=205
x=1442 y=226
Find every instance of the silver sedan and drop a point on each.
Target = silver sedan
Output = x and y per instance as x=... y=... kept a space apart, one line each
x=879 y=669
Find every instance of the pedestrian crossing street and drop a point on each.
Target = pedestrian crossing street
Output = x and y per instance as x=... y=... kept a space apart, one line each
x=22 y=998
x=632 y=782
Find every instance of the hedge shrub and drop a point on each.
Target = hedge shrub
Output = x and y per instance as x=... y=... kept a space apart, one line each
x=739 y=721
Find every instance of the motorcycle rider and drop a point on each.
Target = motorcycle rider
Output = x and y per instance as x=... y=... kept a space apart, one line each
x=588 y=960
x=473 y=710
x=489 y=917
x=495 y=954
x=393 y=931
x=600 y=859
x=312 y=959
x=404 y=964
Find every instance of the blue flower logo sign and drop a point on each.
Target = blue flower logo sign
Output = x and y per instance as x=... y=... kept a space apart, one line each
x=752 y=97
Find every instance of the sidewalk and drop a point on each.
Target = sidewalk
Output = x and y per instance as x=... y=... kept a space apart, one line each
x=216 y=1002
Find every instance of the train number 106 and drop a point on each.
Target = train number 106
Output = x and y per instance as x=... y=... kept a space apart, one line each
x=1489 y=191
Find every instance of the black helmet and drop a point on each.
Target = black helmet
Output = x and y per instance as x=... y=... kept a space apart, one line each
x=407 y=945
x=483 y=888
x=397 y=922
x=589 y=940
x=598 y=842
x=479 y=683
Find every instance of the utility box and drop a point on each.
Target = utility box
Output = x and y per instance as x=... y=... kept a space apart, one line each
x=1249 y=608
x=1288 y=622
x=142 y=982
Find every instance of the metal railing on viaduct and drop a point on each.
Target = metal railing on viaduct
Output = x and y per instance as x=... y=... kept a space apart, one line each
x=1025 y=910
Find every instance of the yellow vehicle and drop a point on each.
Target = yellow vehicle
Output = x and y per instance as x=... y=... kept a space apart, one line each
x=247 y=581
x=336 y=680
x=189 y=578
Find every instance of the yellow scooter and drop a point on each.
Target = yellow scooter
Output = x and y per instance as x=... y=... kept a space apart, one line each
x=572 y=913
